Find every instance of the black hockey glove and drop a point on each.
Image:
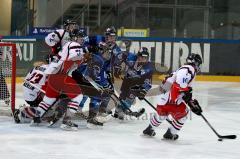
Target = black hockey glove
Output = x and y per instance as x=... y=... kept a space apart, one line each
x=139 y=91
x=142 y=94
x=187 y=96
x=195 y=107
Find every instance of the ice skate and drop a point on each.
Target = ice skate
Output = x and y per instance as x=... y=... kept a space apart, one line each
x=16 y=116
x=149 y=131
x=169 y=136
x=92 y=121
x=69 y=125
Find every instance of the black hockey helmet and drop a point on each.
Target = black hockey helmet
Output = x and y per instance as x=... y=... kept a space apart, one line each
x=195 y=60
x=110 y=31
x=143 y=56
x=143 y=52
x=68 y=22
x=78 y=33
x=70 y=25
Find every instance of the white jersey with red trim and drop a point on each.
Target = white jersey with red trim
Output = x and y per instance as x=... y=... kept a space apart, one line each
x=38 y=77
x=58 y=36
x=184 y=77
x=70 y=57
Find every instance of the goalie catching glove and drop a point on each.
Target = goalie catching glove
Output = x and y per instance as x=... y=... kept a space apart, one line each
x=195 y=107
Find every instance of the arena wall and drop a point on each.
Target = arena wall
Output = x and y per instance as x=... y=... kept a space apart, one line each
x=220 y=57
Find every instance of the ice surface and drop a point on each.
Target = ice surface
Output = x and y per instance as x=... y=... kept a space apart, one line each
x=221 y=106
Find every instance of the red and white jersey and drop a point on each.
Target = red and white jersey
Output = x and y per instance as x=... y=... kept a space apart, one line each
x=38 y=77
x=181 y=78
x=58 y=36
x=69 y=58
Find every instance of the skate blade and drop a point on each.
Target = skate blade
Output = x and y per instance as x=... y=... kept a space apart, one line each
x=54 y=124
x=68 y=128
x=104 y=119
x=147 y=136
x=37 y=124
x=93 y=126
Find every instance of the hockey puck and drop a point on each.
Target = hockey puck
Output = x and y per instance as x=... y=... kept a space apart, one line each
x=220 y=139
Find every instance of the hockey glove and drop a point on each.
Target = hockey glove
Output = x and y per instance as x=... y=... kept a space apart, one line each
x=139 y=91
x=108 y=89
x=142 y=94
x=187 y=95
x=195 y=107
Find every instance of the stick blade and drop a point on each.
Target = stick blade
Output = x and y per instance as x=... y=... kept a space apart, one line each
x=228 y=137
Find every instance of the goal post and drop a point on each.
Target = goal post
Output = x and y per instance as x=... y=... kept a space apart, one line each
x=8 y=53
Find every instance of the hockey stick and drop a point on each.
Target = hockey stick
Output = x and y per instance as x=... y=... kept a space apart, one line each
x=99 y=88
x=130 y=112
x=150 y=104
x=219 y=136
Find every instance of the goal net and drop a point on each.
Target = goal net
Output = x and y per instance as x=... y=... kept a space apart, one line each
x=7 y=77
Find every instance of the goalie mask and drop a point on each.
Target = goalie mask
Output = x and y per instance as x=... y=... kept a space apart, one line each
x=194 y=60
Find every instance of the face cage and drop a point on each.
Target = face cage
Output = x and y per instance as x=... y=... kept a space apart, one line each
x=145 y=58
x=110 y=38
x=197 y=67
x=78 y=39
x=72 y=27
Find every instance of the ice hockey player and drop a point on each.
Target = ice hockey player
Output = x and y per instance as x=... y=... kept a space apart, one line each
x=34 y=84
x=174 y=102
x=110 y=60
x=59 y=37
x=96 y=70
x=60 y=81
x=136 y=82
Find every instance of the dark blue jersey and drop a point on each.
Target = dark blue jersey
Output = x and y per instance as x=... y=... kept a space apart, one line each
x=141 y=73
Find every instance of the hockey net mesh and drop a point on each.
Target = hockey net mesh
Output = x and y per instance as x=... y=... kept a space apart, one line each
x=7 y=77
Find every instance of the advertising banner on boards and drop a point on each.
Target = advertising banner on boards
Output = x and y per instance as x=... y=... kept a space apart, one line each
x=220 y=57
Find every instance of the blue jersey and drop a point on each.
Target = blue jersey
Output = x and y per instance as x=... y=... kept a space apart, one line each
x=115 y=58
x=142 y=73
x=95 y=69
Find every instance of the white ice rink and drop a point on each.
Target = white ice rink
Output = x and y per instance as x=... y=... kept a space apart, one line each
x=123 y=140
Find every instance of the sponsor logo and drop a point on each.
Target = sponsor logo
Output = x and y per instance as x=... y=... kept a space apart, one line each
x=169 y=56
